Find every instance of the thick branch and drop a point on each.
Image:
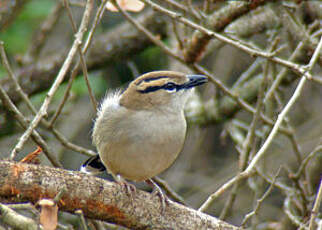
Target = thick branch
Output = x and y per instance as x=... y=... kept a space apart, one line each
x=98 y=198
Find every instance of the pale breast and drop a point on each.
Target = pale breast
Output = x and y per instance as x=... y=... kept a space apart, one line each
x=148 y=145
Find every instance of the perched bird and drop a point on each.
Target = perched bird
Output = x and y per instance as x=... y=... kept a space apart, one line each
x=140 y=132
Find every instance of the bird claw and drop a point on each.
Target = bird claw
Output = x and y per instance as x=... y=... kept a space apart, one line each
x=129 y=189
x=164 y=200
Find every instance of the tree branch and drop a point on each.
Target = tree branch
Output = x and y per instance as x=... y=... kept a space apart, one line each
x=122 y=42
x=16 y=220
x=98 y=198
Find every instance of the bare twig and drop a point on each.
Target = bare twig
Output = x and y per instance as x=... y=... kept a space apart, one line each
x=248 y=73
x=169 y=191
x=295 y=219
x=246 y=146
x=16 y=220
x=98 y=17
x=316 y=206
x=81 y=216
x=278 y=184
x=253 y=51
x=260 y=201
x=283 y=113
x=81 y=57
x=43 y=109
x=24 y=123
x=25 y=98
x=182 y=8
x=197 y=68
x=19 y=90
x=249 y=170
x=306 y=161
x=283 y=72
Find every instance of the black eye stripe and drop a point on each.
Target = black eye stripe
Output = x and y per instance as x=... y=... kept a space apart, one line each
x=168 y=86
x=150 y=89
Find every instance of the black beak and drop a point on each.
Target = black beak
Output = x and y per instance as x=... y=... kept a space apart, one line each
x=195 y=80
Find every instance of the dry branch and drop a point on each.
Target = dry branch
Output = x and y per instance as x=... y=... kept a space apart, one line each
x=16 y=220
x=97 y=198
x=120 y=43
x=217 y=22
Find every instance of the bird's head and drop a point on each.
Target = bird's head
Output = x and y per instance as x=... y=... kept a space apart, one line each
x=159 y=90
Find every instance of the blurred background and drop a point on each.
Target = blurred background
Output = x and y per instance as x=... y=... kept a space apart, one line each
x=37 y=35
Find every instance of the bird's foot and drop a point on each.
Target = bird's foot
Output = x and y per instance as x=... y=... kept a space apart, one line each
x=158 y=192
x=129 y=189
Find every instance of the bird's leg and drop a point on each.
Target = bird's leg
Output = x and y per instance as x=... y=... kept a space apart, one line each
x=129 y=188
x=158 y=191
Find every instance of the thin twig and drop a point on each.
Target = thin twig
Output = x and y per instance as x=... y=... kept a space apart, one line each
x=306 y=161
x=24 y=123
x=291 y=136
x=260 y=201
x=283 y=113
x=16 y=220
x=81 y=57
x=284 y=71
x=83 y=221
x=19 y=90
x=243 y=104
x=74 y=72
x=60 y=77
x=60 y=137
x=285 y=188
x=60 y=194
x=192 y=10
x=169 y=191
x=198 y=69
x=32 y=108
x=295 y=219
x=182 y=8
x=246 y=146
x=316 y=206
x=248 y=73
x=250 y=169
x=253 y=51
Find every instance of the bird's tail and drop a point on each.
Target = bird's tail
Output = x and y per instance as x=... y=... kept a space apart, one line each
x=93 y=166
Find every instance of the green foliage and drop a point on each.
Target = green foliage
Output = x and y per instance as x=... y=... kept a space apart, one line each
x=97 y=83
x=79 y=88
x=17 y=36
x=151 y=59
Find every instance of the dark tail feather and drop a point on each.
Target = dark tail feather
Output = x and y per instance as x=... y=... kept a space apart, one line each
x=93 y=166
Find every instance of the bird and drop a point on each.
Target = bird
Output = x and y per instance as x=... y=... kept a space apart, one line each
x=140 y=131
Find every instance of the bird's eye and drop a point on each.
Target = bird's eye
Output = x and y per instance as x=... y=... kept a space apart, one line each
x=170 y=87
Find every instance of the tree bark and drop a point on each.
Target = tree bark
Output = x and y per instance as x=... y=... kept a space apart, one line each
x=98 y=198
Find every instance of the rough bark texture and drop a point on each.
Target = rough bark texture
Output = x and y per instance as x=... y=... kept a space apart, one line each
x=98 y=198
